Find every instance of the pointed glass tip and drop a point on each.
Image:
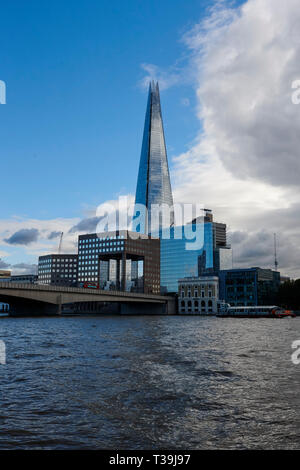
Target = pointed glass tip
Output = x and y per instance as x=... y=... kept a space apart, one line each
x=153 y=85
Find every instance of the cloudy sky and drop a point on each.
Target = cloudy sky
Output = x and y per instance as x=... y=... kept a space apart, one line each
x=226 y=71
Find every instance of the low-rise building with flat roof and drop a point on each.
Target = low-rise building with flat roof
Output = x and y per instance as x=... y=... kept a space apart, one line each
x=121 y=260
x=58 y=270
x=198 y=295
x=22 y=278
x=4 y=274
x=249 y=287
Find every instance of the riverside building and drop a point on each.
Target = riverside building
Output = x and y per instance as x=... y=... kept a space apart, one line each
x=22 y=279
x=177 y=261
x=153 y=184
x=249 y=287
x=204 y=258
x=222 y=253
x=58 y=270
x=198 y=296
x=4 y=274
x=121 y=260
x=154 y=187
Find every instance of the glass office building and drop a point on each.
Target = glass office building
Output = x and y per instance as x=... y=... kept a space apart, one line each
x=153 y=185
x=180 y=255
x=120 y=260
x=58 y=270
x=22 y=279
x=249 y=287
x=179 y=258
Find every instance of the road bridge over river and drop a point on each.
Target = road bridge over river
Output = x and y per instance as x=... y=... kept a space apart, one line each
x=53 y=300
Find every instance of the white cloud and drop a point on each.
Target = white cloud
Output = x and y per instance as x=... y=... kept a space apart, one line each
x=245 y=162
x=247 y=69
x=19 y=255
x=41 y=246
x=3 y=254
x=166 y=77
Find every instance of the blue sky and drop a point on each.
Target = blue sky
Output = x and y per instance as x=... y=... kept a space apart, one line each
x=72 y=128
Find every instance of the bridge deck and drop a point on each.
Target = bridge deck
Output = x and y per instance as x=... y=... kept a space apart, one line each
x=16 y=286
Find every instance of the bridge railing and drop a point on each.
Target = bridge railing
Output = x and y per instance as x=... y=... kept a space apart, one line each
x=50 y=288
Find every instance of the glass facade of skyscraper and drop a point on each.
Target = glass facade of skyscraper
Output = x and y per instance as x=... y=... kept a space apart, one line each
x=58 y=270
x=179 y=257
x=179 y=260
x=153 y=185
x=249 y=287
x=119 y=261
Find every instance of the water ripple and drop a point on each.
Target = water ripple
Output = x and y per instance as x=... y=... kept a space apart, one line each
x=149 y=383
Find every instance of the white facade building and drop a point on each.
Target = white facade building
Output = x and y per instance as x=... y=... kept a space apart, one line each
x=198 y=295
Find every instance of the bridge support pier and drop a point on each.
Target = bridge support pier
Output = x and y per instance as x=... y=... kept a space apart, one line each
x=59 y=305
x=137 y=308
x=23 y=307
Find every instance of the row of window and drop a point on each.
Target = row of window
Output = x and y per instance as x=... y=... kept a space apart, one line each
x=91 y=259
x=197 y=286
x=196 y=294
x=64 y=271
x=96 y=246
x=89 y=268
x=196 y=303
x=100 y=250
x=57 y=272
x=65 y=260
x=69 y=276
x=59 y=260
x=97 y=240
x=85 y=266
x=194 y=307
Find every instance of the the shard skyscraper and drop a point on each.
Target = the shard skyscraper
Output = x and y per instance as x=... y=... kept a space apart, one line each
x=153 y=185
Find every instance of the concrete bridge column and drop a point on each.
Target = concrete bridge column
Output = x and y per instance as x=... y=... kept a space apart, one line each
x=59 y=301
x=24 y=307
x=136 y=308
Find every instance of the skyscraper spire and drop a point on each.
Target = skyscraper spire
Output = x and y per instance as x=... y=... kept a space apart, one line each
x=153 y=185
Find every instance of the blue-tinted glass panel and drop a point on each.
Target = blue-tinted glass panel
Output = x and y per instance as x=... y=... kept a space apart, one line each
x=178 y=262
x=153 y=186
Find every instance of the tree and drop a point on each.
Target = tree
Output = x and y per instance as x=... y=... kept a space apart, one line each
x=289 y=295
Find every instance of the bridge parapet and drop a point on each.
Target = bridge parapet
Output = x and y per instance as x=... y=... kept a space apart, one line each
x=40 y=296
x=79 y=290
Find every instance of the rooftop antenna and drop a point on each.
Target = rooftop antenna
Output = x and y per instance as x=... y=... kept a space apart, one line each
x=275 y=252
x=60 y=242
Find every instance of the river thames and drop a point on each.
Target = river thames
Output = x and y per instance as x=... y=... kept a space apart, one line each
x=149 y=382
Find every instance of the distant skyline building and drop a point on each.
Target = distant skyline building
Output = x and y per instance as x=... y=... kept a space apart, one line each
x=154 y=261
x=198 y=295
x=153 y=185
x=22 y=278
x=207 y=258
x=249 y=286
x=177 y=262
x=120 y=261
x=4 y=273
x=58 y=270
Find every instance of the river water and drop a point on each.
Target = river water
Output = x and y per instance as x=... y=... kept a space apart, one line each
x=149 y=383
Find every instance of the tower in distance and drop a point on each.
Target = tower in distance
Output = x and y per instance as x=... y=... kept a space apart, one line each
x=153 y=185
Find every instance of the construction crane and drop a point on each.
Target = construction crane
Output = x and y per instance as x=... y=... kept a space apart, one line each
x=275 y=252
x=60 y=242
